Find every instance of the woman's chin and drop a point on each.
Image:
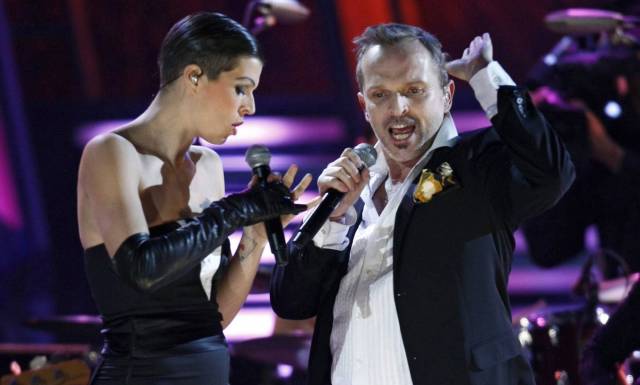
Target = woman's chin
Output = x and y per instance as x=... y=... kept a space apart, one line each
x=215 y=141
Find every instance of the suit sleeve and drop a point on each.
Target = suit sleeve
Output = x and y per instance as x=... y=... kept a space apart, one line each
x=558 y=234
x=299 y=288
x=528 y=168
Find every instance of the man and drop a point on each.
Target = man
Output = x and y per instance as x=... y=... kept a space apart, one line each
x=408 y=278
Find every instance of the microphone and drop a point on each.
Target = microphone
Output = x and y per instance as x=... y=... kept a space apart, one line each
x=258 y=157
x=330 y=200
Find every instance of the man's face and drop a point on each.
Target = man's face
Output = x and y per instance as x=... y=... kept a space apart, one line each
x=403 y=98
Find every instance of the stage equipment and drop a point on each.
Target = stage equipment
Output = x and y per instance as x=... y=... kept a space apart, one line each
x=271 y=12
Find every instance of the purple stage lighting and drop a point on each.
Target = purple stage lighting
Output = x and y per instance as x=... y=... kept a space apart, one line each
x=10 y=214
x=272 y=131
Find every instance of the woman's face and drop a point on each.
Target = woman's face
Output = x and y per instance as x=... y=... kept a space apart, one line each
x=225 y=101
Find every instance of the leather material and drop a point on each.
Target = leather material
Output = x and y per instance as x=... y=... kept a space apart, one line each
x=257 y=204
x=149 y=263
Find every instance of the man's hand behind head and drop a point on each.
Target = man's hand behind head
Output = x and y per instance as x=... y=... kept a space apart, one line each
x=474 y=58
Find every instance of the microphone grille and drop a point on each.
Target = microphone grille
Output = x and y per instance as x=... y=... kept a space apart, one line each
x=257 y=155
x=366 y=153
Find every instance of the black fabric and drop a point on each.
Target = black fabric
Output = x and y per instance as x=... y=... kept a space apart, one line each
x=451 y=255
x=200 y=362
x=136 y=321
x=608 y=200
x=599 y=197
x=149 y=263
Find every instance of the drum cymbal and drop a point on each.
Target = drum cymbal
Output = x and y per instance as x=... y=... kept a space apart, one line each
x=286 y=11
x=291 y=350
x=585 y=21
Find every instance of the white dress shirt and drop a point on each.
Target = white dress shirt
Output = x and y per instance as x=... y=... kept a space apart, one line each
x=366 y=343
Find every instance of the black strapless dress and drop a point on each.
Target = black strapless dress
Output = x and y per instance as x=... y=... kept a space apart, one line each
x=170 y=336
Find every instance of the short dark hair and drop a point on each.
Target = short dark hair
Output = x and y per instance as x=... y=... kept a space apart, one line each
x=393 y=33
x=210 y=40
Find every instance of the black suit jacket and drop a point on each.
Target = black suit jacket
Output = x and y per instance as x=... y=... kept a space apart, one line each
x=452 y=255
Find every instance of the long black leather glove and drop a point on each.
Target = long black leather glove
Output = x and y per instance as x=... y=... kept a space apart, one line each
x=149 y=263
x=614 y=342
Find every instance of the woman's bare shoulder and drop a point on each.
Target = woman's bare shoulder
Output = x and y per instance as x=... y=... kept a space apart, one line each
x=108 y=143
x=108 y=154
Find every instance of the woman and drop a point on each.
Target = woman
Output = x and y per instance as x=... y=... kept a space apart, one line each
x=156 y=249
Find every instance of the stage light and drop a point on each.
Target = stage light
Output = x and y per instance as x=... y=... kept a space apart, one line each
x=284 y=371
x=272 y=131
x=602 y=316
x=525 y=338
x=612 y=109
x=550 y=59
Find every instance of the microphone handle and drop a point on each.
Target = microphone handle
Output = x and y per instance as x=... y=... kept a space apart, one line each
x=277 y=243
x=273 y=226
x=310 y=228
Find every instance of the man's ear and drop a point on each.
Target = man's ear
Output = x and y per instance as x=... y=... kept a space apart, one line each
x=362 y=105
x=449 y=90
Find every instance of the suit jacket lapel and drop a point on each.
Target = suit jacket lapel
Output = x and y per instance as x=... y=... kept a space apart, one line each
x=403 y=217
x=407 y=205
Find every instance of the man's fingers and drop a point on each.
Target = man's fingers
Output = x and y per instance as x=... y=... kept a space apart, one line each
x=487 y=48
x=346 y=178
x=338 y=185
x=351 y=163
x=352 y=170
x=346 y=151
x=454 y=67
x=342 y=174
x=449 y=64
x=353 y=157
x=338 y=173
